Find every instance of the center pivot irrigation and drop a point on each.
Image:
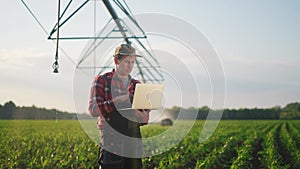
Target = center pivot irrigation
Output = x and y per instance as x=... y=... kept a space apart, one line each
x=148 y=70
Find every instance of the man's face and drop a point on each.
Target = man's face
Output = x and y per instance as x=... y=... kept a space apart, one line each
x=125 y=66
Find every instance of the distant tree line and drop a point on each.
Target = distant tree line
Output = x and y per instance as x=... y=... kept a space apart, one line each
x=10 y=111
x=291 y=111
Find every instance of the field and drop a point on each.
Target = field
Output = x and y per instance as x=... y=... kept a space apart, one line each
x=235 y=144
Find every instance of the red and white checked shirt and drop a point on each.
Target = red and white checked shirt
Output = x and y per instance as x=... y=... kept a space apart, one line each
x=101 y=98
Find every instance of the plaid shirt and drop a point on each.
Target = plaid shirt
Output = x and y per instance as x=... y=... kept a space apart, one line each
x=104 y=88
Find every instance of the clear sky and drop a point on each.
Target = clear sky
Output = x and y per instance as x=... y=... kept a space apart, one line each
x=258 y=43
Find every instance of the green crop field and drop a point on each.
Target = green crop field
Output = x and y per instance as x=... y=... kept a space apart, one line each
x=235 y=144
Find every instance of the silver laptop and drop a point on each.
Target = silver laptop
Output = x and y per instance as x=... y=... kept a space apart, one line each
x=147 y=96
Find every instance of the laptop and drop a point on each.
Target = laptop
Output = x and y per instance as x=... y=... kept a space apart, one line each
x=147 y=96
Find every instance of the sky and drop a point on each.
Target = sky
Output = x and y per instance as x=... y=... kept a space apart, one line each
x=257 y=43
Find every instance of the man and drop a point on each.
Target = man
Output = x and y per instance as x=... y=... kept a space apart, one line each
x=120 y=145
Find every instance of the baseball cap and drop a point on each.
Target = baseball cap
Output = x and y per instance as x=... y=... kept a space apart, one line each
x=125 y=49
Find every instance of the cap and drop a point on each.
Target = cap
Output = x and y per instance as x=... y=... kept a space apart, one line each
x=125 y=49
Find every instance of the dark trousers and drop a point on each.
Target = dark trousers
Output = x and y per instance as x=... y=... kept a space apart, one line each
x=112 y=144
x=112 y=161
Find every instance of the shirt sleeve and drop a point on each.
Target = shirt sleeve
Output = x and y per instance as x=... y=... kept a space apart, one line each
x=100 y=103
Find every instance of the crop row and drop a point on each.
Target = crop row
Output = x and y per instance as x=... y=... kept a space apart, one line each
x=294 y=133
x=189 y=150
x=238 y=152
x=45 y=144
x=291 y=153
x=234 y=144
x=257 y=144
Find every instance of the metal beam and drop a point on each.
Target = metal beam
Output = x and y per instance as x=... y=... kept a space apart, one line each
x=92 y=37
x=116 y=18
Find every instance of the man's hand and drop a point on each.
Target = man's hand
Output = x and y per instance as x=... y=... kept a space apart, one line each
x=143 y=115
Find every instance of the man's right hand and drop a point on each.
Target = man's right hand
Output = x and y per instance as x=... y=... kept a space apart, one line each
x=143 y=116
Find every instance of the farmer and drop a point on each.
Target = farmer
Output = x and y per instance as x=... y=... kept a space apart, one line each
x=120 y=144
